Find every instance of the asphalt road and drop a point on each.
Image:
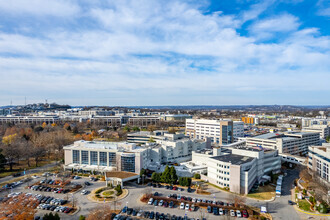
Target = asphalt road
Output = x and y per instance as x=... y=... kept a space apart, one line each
x=32 y=171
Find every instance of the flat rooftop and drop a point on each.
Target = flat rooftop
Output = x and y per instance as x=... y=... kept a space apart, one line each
x=120 y=174
x=233 y=159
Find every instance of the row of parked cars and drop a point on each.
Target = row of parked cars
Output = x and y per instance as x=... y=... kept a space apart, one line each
x=196 y=200
x=48 y=189
x=163 y=203
x=51 y=182
x=54 y=208
x=232 y=213
x=168 y=187
x=127 y=212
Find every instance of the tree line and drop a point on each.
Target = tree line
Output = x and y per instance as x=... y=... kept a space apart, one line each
x=169 y=176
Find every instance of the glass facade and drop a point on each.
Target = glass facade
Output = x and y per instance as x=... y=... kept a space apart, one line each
x=112 y=159
x=227 y=136
x=84 y=157
x=75 y=156
x=128 y=164
x=93 y=155
x=103 y=159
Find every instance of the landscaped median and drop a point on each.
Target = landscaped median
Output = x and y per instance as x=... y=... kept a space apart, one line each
x=107 y=194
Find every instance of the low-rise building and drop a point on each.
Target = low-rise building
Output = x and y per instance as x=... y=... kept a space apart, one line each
x=28 y=119
x=323 y=130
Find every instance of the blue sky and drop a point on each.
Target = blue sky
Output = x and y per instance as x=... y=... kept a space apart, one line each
x=165 y=52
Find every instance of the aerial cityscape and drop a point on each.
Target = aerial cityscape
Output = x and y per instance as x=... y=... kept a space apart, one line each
x=166 y=110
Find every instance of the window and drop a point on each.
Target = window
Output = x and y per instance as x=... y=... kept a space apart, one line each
x=94 y=160
x=75 y=156
x=84 y=157
x=103 y=159
x=128 y=164
x=112 y=159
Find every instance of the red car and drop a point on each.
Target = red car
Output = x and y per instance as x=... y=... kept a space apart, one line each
x=67 y=210
x=245 y=214
x=175 y=188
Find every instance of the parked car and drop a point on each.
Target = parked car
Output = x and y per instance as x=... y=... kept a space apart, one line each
x=221 y=211
x=151 y=201
x=245 y=214
x=161 y=202
x=156 y=202
x=215 y=211
x=187 y=206
x=238 y=213
x=182 y=205
x=209 y=209
x=232 y=213
x=171 y=205
x=84 y=192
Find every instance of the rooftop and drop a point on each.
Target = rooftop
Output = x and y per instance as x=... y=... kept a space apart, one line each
x=234 y=159
x=120 y=174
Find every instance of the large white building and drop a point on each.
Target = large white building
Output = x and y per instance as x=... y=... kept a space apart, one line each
x=294 y=143
x=221 y=132
x=123 y=156
x=28 y=119
x=238 y=168
x=319 y=161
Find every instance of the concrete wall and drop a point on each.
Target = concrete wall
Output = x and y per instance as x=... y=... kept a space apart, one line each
x=235 y=178
x=67 y=157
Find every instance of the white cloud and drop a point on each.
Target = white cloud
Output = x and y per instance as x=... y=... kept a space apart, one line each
x=267 y=27
x=136 y=49
x=56 y=8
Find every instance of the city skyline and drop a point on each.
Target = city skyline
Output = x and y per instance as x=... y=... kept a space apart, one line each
x=150 y=53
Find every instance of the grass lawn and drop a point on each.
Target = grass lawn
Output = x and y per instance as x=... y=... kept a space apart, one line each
x=20 y=167
x=108 y=193
x=304 y=205
x=263 y=193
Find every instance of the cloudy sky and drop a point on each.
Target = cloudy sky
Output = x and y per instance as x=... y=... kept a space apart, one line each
x=165 y=52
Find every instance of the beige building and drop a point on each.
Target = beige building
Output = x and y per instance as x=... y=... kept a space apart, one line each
x=219 y=131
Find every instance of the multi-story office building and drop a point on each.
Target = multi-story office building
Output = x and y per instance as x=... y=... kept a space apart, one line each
x=238 y=129
x=219 y=131
x=105 y=156
x=111 y=121
x=28 y=119
x=143 y=137
x=324 y=130
x=180 y=117
x=123 y=156
x=319 y=161
x=294 y=143
x=238 y=168
x=143 y=121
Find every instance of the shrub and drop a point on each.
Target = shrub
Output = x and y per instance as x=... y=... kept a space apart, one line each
x=197 y=176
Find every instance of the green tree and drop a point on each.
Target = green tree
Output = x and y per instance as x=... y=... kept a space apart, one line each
x=135 y=128
x=127 y=128
x=166 y=175
x=81 y=217
x=173 y=176
x=143 y=172
x=155 y=177
x=50 y=216
x=328 y=139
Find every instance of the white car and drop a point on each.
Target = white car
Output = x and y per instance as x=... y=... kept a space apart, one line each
x=84 y=192
x=161 y=202
x=238 y=213
x=232 y=213
x=187 y=206
x=194 y=200
x=220 y=211
x=179 y=197
x=182 y=205
x=199 y=200
x=140 y=213
x=151 y=200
